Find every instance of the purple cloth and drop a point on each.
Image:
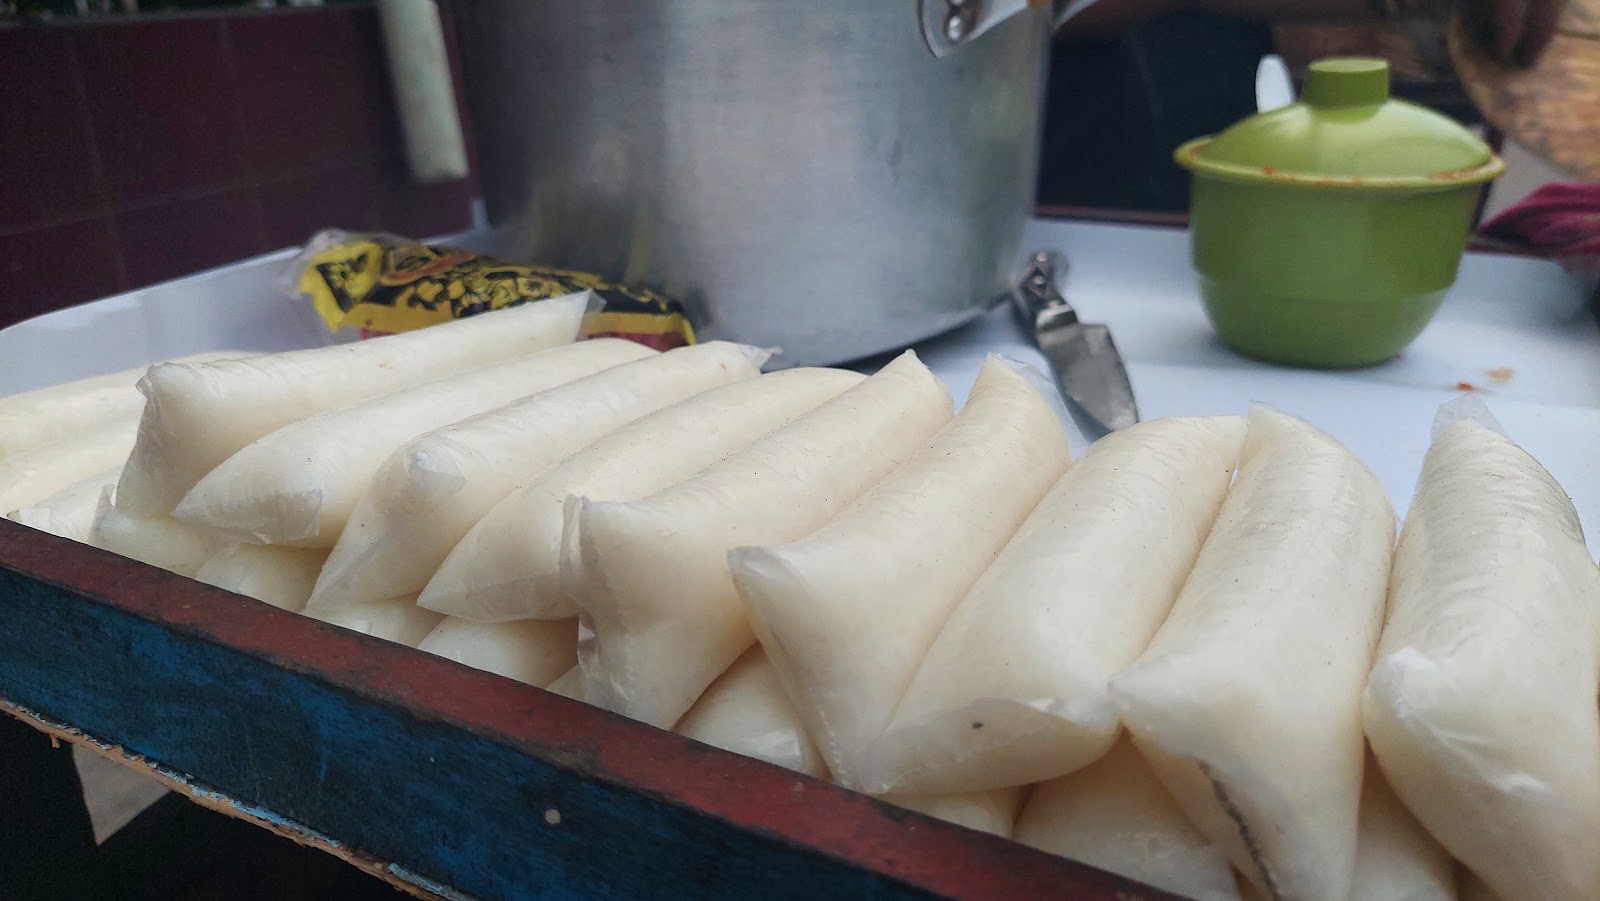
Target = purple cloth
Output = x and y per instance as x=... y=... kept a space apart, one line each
x=1560 y=220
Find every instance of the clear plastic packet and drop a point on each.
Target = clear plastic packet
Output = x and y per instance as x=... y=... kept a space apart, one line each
x=1247 y=704
x=157 y=540
x=1480 y=707
x=1078 y=442
x=399 y=619
x=1114 y=814
x=298 y=484
x=35 y=420
x=746 y=711
x=531 y=650
x=70 y=512
x=280 y=576
x=509 y=566
x=1395 y=856
x=1014 y=689
x=653 y=645
x=848 y=613
x=429 y=493
x=992 y=811
x=197 y=415
x=568 y=685
x=31 y=478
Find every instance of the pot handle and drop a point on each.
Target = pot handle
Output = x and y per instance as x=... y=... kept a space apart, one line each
x=947 y=25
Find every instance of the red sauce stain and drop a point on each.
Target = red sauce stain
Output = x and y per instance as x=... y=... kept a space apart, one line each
x=1501 y=374
x=1269 y=170
x=1466 y=386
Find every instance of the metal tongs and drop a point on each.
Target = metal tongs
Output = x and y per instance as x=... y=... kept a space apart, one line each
x=1084 y=360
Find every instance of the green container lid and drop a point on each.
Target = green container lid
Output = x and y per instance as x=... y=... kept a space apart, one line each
x=1346 y=132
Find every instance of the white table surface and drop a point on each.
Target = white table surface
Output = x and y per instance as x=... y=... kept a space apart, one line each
x=1524 y=315
x=1521 y=315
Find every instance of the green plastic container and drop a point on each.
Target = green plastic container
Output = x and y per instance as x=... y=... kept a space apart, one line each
x=1326 y=233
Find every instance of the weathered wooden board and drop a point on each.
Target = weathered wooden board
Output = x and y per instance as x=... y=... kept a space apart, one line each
x=453 y=780
x=59 y=733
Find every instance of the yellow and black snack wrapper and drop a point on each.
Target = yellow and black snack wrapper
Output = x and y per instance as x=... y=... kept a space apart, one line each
x=380 y=285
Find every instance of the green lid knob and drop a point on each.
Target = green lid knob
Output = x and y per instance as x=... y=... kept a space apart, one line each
x=1346 y=81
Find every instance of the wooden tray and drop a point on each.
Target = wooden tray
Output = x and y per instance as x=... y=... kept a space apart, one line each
x=443 y=780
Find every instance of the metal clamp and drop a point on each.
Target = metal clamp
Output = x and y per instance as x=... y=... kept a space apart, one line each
x=949 y=24
x=1040 y=305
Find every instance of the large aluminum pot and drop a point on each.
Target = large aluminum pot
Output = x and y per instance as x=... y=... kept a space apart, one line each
x=833 y=177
